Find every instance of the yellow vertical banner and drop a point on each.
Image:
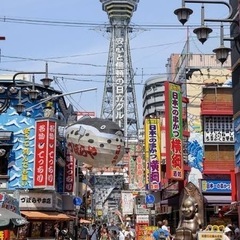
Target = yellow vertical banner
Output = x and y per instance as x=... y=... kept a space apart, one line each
x=153 y=153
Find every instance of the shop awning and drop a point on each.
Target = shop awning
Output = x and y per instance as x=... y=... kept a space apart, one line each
x=46 y=215
x=84 y=221
x=218 y=199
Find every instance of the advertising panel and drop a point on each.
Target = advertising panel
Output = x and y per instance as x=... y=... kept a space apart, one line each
x=69 y=173
x=127 y=203
x=174 y=131
x=143 y=231
x=237 y=140
x=153 y=153
x=45 y=151
x=35 y=201
x=216 y=186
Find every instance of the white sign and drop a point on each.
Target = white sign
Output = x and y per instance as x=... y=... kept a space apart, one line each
x=210 y=235
x=218 y=129
x=127 y=203
x=142 y=219
x=36 y=200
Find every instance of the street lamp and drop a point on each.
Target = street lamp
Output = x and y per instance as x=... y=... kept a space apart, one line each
x=203 y=31
x=33 y=93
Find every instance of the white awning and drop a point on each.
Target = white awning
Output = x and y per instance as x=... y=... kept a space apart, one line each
x=218 y=199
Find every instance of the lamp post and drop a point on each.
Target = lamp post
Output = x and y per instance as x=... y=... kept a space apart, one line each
x=33 y=93
x=203 y=31
x=54 y=96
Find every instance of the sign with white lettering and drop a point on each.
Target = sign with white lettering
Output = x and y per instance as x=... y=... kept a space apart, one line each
x=69 y=173
x=216 y=186
x=142 y=219
x=45 y=154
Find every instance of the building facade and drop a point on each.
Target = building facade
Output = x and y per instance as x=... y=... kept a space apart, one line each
x=34 y=157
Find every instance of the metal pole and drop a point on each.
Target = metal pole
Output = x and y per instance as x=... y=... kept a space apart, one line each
x=58 y=96
x=86 y=191
x=21 y=73
x=77 y=207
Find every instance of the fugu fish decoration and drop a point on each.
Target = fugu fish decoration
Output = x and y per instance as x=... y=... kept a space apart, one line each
x=95 y=141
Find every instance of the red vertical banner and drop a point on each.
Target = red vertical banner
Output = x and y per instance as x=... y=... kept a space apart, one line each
x=45 y=153
x=40 y=171
x=69 y=170
x=51 y=152
x=174 y=131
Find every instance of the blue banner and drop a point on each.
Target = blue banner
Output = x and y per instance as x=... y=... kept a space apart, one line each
x=216 y=186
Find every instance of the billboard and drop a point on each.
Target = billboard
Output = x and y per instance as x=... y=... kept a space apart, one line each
x=127 y=203
x=153 y=153
x=69 y=173
x=237 y=140
x=174 y=131
x=45 y=153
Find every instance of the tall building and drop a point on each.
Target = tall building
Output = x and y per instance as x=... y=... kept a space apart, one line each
x=153 y=96
x=119 y=97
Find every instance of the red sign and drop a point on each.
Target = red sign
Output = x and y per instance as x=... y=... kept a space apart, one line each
x=45 y=153
x=69 y=173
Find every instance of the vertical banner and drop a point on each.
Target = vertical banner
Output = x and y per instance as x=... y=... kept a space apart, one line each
x=69 y=178
x=153 y=153
x=45 y=154
x=174 y=131
x=119 y=80
x=127 y=203
x=51 y=153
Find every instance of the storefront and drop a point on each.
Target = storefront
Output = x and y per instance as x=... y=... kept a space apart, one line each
x=10 y=218
x=217 y=200
x=43 y=210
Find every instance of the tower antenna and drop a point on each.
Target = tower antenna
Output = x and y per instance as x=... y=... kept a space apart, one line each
x=119 y=97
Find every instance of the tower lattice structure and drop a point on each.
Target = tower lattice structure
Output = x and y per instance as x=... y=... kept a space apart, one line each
x=119 y=96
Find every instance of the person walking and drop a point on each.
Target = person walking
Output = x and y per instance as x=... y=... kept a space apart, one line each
x=227 y=234
x=160 y=234
x=128 y=233
x=83 y=232
x=93 y=232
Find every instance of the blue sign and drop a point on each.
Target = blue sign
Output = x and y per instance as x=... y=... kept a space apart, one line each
x=77 y=201
x=216 y=186
x=150 y=199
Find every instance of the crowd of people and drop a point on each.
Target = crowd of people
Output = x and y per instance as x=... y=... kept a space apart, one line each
x=98 y=231
x=105 y=232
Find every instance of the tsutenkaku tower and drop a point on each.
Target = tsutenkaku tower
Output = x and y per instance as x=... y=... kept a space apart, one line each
x=119 y=97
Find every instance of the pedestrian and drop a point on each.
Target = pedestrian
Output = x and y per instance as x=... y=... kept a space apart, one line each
x=83 y=232
x=114 y=235
x=128 y=233
x=160 y=234
x=105 y=234
x=93 y=232
x=56 y=230
x=227 y=234
x=120 y=234
x=66 y=235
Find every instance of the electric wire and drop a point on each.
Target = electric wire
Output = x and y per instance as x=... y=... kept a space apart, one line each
x=61 y=23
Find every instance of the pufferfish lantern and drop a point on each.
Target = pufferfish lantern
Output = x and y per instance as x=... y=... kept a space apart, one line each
x=95 y=141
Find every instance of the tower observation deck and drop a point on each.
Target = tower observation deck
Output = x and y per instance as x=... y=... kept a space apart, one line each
x=119 y=96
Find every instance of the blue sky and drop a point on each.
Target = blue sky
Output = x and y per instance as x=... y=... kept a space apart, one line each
x=78 y=55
